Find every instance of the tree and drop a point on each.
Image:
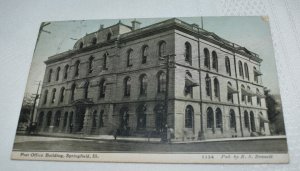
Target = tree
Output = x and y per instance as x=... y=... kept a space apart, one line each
x=274 y=111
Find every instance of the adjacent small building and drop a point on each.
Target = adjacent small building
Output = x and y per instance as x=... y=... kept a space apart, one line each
x=137 y=80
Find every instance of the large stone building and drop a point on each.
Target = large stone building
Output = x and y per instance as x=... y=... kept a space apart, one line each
x=126 y=77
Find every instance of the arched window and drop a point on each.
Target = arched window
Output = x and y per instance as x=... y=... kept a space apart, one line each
x=210 y=117
x=143 y=84
x=50 y=75
x=124 y=118
x=65 y=120
x=243 y=94
x=219 y=118
x=161 y=84
x=102 y=88
x=105 y=61
x=258 y=100
x=53 y=95
x=215 y=60
x=188 y=89
x=159 y=111
x=57 y=118
x=108 y=36
x=252 y=121
x=66 y=71
x=208 y=85
x=62 y=94
x=57 y=73
x=91 y=64
x=144 y=54
x=40 y=119
x=188 y=52
x=241 y=69
x=127 y=85
x=94 y=40
x=129 y=57
x=101 y=123
x=73 y=89
x=94 y=121
x=162 y=49
x=49 y=118
x=45 y=97
x=77 y=65
x=229 y=94
x=232 y=119
x=246 y=70
x=255 y=76
x=141 y=116
x=206 y=58
x=189 y=117
x=227 y=64
x=86 y=89
x=80 y=45
x=249 y=97
x=216 y=88
x=246 y=119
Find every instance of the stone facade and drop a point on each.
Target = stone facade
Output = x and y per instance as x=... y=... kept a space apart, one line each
x=115 y=78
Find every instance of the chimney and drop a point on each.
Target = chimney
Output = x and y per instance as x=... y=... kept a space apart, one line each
x=135 y=24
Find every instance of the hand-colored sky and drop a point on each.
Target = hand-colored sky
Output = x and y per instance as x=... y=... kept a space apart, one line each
x=250 y=32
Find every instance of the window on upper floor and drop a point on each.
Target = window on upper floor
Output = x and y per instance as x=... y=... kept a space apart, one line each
x=145 y=54
x=129 y=57
x=258 y=100
x=73 y=90
x=105 y=61
x=243 y=93
x=215 y=60
x=62 y=94
x=246 y=119
x=208 y=85
x=188 y=88
x=216 y=88
x=108 y=36
x=241 y=69
x=45 y=96
x=91 y=64
x=229 y=92
x=246 y=70
x=255 y=75
x=102 y=88
x=66 y=70
x=206 y=58
x=162 y=49
x=227 y=65
x=94 y=41
x=50 y=75
x=161 y=82
x=77 y=66
x=127 y=86
x=143 y=84
x=57 y=73
x=249 y=97
x=53 y=95
x=188 y=52
x=86 y=89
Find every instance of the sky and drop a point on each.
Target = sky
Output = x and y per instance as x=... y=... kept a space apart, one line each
x=250 y=32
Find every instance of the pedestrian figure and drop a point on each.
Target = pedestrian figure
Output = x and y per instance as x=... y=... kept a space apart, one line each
x=71 y=127
x=115 y=134
x=168 y=135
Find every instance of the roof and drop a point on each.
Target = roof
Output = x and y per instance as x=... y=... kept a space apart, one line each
x=173 y=23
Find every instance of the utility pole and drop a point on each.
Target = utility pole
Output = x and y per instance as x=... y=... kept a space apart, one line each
x=34 y=103
x=167 y=66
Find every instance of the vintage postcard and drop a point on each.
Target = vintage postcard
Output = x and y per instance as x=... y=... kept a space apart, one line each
x=157 y=90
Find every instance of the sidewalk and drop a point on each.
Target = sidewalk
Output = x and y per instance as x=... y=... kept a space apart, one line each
x=155 y=140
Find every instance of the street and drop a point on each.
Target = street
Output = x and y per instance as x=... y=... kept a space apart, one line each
x=39 y=143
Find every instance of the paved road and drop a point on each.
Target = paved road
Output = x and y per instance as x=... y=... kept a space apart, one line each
x=33 y=143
